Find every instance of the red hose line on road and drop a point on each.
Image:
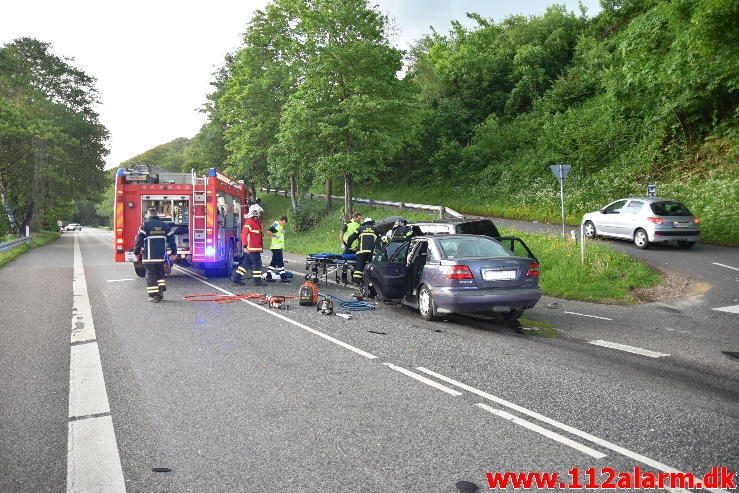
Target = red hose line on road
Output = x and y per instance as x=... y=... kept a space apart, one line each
x=223 y=298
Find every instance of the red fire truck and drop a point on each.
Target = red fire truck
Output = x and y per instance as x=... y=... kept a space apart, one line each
x=205 y=212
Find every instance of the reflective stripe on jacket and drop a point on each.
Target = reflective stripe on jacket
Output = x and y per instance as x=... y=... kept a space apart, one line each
x=366 y=237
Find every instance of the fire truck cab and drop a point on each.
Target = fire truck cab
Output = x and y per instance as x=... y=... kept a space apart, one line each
x=205 y=213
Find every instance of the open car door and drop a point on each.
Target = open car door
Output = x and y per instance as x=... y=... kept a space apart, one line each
x=388 y=271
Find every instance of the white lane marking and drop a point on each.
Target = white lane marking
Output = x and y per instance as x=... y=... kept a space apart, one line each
x=282 y=317
x=569 y=429
x=423 y=379
x=193 y=274
x=119 y=280
x=87 y=393
x=589 y=316
x=628 y=349
x=93 y=463
x=728 y=309
x=723 y=265
x=83 y=328
x=543 y=431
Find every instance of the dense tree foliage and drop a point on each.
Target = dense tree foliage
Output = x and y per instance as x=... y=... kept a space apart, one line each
x=52 y=144
x=646 y=91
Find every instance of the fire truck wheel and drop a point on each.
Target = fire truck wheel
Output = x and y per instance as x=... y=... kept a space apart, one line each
x=140 y=270
x=228 y=270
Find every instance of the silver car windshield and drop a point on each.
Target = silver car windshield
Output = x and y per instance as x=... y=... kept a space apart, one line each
x=459 y=247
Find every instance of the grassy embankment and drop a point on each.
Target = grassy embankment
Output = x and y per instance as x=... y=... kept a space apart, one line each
x=37 y=239
x=608 y=276
x=713 y=199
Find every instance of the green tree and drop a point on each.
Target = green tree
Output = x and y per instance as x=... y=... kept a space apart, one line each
x=52 y=144
x=262 y=76
x=351 y=113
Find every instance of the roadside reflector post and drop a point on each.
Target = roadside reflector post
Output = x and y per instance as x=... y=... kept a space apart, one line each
x=560 y=172
x=582 y=243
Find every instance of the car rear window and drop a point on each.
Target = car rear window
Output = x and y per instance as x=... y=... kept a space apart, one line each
x=484 y=228
x=670 y=209
x=471 y=247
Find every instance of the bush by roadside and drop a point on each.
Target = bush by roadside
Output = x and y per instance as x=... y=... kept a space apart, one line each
x=608 y=276
x=37 y=239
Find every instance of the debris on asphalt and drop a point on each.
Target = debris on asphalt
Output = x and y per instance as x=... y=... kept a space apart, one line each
x=161 y=469
x=376 y=332
x=553 y=304
x=345 y=316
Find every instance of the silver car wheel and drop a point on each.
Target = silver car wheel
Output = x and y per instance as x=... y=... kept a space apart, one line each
x=589 y=230
x=426 y=304
x=640 y=238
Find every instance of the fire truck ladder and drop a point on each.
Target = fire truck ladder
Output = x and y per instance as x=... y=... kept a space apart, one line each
x=198 y=214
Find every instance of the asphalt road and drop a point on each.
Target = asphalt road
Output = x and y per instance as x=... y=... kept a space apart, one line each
x=238 y=397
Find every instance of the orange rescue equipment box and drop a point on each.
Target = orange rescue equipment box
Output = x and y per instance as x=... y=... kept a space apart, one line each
x=308 y=294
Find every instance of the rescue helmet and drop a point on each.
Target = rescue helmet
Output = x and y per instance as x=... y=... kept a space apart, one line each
x=368 y=220
x=152 y=212
x=399 y=223
x=255 y=211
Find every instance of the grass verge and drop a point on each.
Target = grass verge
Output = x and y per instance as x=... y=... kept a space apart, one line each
x=607 y=276
x=37 y=239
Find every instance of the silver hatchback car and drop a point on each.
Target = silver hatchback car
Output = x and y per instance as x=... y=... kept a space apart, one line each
x=644 y=220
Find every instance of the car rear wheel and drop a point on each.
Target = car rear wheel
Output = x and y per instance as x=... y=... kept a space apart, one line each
x=685 y=245
x=590 y=231
x=426 y=306
x=641 y=240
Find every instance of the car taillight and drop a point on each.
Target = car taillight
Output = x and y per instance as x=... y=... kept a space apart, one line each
x=696 y=220
x=533 y=270
x=458 y=272
x=655 y=220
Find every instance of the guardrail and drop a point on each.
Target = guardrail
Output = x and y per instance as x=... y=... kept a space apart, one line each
x=13 y=243
x=438 y=209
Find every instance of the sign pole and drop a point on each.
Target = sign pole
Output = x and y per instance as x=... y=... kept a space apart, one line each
x=562 y=196
x=560 y=172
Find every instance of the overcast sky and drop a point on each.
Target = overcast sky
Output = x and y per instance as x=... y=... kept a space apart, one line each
x=154 y=59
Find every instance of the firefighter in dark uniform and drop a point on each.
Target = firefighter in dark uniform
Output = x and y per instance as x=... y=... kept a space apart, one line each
x=400 y=231
x=151 y=243
x=365 y=236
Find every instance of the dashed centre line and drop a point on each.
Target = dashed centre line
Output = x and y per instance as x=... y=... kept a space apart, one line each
x=423 y=379
x=727 y=266
x=589 y=316
x=628 y=349
x=552 y=422
x=543 y=431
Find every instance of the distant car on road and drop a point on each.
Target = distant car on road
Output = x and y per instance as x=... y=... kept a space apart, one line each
x=644 y=220
x=453 y=274
x=73 y=227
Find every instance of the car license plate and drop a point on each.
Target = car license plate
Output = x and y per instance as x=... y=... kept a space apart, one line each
x=130 y=257
x=498 y=275
x=680 y=225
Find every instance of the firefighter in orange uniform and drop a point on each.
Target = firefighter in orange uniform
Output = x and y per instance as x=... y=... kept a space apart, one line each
x=252 y=242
